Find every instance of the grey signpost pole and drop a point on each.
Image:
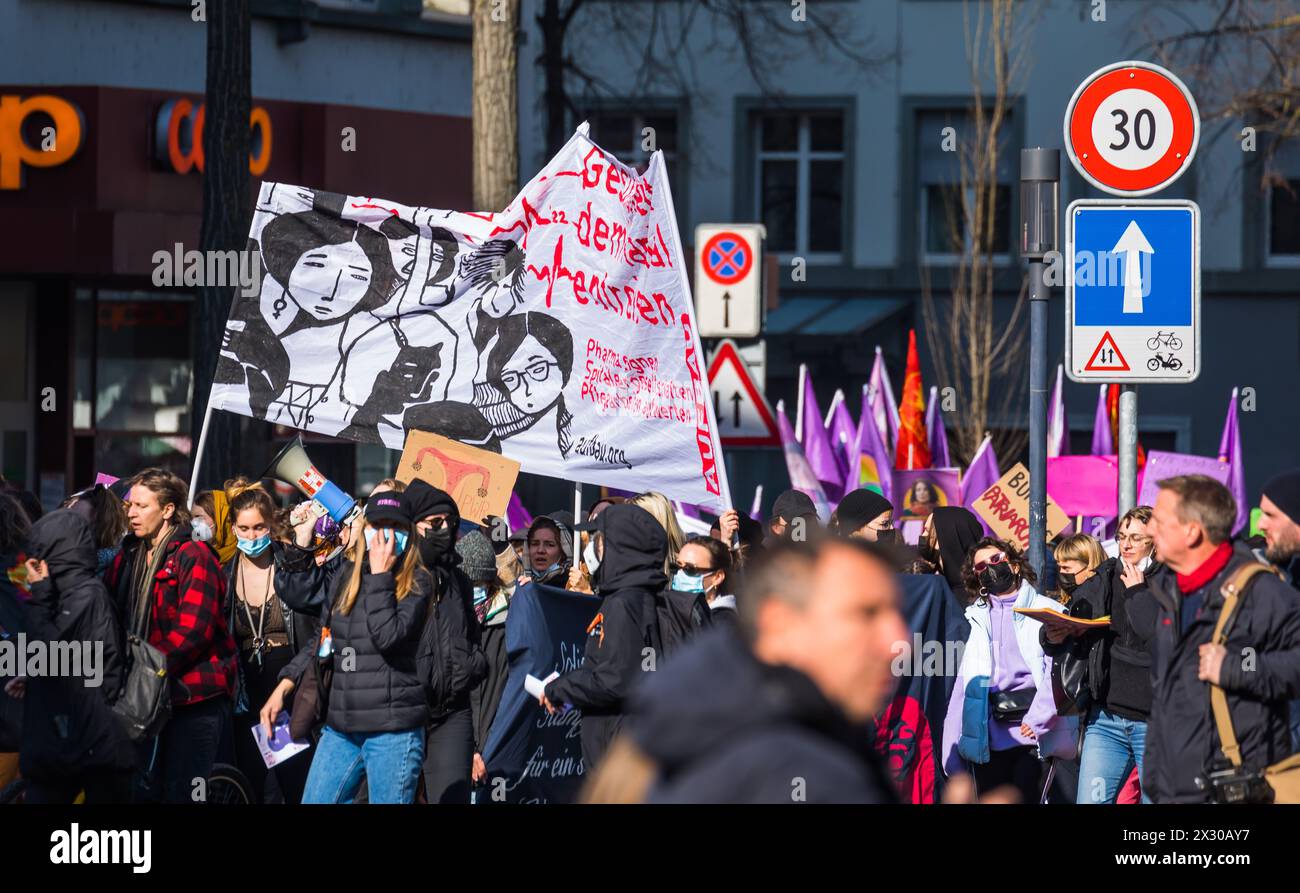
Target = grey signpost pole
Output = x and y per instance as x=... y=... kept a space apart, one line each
x=1128 y=438
x=1040 y=175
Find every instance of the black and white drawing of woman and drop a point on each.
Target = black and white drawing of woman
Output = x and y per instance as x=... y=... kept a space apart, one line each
x=328 y=270
x=522 y=395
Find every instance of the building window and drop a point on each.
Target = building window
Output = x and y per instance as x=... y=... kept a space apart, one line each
x=799 y=182
x=1283 y=204
x=945 y=201
x=634 y=136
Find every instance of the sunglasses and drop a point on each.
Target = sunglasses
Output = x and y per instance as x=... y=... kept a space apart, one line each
x=692 y=570
x=998 y=558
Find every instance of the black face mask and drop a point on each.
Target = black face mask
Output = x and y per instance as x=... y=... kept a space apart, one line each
x=928 y=552
x=886 y=536
x=435 y=545
x=998 y=579
x=1067 y=582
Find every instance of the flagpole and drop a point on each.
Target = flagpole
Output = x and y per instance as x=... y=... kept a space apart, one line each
x=198 y=451
x=798 y=420
x=577 y=502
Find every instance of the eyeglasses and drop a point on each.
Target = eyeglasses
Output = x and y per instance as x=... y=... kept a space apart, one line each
x=538 y=371
x=981 y=566
x=1135 y=539
x=691 y=570
x=437 y=523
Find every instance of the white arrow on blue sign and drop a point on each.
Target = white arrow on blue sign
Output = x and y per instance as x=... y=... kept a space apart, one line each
x=1133 y=291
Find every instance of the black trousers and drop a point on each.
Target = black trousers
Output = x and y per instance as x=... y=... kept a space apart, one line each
x=196 y=736
x=290 y=777
x=1018 y=767
x=449 y=758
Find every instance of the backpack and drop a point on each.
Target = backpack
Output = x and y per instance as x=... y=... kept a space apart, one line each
x=450 y=658
x=681 y=615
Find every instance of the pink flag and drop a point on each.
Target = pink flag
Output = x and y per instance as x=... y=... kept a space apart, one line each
x=801 y=473
x=939 y=457
x=1103 y=444
x=1230 y=452
x=884 y=408
x=870 y=463
x=817 y=444
x=1058 y=430
x=1084 y=485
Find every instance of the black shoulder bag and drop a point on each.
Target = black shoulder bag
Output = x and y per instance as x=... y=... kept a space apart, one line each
x=145 y=704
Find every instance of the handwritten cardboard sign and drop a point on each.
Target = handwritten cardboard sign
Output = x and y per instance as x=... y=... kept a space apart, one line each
x=479 y=480
x=1005 y=508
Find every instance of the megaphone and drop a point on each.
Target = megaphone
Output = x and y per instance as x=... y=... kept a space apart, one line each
x=294 y=468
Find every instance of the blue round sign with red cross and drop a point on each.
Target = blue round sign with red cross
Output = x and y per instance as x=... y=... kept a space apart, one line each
x=727 y=258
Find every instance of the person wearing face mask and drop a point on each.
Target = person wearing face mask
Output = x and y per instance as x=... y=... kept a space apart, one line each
x=866 y=515
x=211 y=523
x=703 y=566
x=450 y=656
x=378 y=705
x=949 y=532
x=491 y=576
x=1077 y=559
x=1002 y=723
x=267 y=631
x=1116 y=678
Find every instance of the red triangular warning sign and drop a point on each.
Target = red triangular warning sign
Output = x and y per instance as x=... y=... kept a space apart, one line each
x=743 y=416
x=1111 y=361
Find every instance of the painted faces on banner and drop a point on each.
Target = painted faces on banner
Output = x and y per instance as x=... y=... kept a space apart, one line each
x=920 y=491
x=557 y=332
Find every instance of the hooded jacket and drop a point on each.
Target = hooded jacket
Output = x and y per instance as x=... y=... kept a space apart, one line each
x=1182 y=741
x=68 y=723
x=722 y=727
x=629 y=575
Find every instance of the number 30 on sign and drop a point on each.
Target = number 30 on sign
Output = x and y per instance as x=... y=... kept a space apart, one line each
x=1132 y=128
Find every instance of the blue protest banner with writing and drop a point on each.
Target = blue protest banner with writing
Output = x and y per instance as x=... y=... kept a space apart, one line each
x=531 y=757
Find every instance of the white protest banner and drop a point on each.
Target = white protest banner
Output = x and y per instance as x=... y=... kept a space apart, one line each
x=558 y=332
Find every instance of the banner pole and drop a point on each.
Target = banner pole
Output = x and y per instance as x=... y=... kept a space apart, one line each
x=577 y=502
x=198 y=451
x=798 y=419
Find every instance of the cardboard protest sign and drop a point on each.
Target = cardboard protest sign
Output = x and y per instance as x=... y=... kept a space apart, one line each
x=479 y=480
x=1005 y=508
x=559 y=332
x=920 y=491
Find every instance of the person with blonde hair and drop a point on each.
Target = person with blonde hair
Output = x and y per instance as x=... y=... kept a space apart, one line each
x=1077 y=559
x=661 y=509
x=378 y=705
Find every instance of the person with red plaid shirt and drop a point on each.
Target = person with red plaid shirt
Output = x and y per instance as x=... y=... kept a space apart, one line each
x=163 y=578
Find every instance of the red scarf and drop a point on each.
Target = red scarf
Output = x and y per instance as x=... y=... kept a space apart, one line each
x=1217 y=561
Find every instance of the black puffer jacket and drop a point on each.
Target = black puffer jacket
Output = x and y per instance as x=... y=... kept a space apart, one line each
x=68 y=724
x=450 y=653
x=630 y=573
x=1182 y=741
x=376 y=686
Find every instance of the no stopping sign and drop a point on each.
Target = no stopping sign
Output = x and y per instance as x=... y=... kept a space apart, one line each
x=1132 y=128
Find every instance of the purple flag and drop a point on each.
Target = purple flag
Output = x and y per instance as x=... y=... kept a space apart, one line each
x=842 y=433
x=1161 y=465
x=817 y=444
x=1230 y=452
x=1103 y=444
x=884 y=408
x=871 y=463
x=1058 y=429
x=516 y=515
x=801 y=473
x=937 y=432
x=982 y=474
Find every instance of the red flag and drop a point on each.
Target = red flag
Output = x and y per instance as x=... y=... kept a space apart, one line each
x=913 y=446
x=1112 y=407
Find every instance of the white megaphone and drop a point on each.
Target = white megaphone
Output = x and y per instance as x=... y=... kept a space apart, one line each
x=294 y=468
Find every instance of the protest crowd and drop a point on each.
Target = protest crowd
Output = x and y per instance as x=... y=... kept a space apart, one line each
x=759 y=662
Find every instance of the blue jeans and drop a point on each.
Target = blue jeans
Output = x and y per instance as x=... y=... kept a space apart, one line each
x=1112 y=746
x=390 y=761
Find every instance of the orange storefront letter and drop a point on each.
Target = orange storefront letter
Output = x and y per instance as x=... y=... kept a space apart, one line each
x=14 y=151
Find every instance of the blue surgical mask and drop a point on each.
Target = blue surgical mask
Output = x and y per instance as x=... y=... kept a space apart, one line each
x=400 y=537
x=253 y=548
x=684 y=582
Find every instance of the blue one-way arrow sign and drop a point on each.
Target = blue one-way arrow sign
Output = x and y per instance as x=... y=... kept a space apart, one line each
x=1133 y=291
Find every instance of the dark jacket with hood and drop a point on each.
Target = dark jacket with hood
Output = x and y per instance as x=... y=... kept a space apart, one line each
x=1182 y=741
x=723 y=727
x=631 y=571
x=1119 y=656
x=69 y=726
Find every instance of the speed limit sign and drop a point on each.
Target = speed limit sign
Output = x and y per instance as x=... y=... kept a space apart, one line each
x=1132 y=128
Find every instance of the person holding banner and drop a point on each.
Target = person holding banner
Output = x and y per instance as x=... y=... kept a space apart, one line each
x=623 y=638
x=378 y=706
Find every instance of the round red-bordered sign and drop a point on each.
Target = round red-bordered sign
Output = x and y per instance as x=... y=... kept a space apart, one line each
x=727 y=258
x=1111 y=93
